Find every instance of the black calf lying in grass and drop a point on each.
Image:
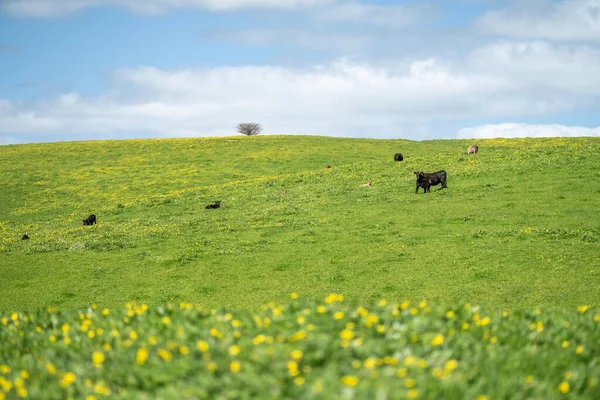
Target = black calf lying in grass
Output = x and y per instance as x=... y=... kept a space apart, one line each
x=216 y=204
x=90 y=220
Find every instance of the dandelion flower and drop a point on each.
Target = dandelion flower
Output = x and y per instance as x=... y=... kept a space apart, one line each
x=235 y=366
x=141 y=356
x=349 y=380
x=438 y=340
x=338 y=315
x=67 y=379
x=98 y=358
x=234 y=350
x=563 y=387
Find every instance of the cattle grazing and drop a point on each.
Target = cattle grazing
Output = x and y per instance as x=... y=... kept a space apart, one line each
x=369 y=183
x=328 y=166
x=91 y=220
x=398 y=157
x=473 y=149
x=216 y=204
x=426 y=180
x=25 y=237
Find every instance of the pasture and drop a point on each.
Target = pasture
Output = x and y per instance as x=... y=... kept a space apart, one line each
x=305 y=282
x=517 y=226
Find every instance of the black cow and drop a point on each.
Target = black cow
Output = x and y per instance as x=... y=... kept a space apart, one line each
x=25 y=237
x=91 y=220
x=426 y=180
x=216 y=204
x=398 y=157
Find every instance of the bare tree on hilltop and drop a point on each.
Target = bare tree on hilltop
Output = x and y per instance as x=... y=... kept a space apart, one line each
x=249 y=129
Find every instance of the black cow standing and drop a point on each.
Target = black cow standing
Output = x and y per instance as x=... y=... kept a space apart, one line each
x=25 y=237
x=90 y=220
x=216 y=204
x=426 y=180
x=398 y=157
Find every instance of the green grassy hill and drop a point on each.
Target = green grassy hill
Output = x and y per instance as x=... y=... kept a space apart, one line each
x=517 y=227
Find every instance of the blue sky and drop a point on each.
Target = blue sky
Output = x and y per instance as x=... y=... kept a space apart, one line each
x=110 y=69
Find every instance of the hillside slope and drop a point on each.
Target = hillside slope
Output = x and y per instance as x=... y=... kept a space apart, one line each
x=518 y=225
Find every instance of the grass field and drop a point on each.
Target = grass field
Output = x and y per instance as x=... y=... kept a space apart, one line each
x=487 y=289
x=517 y=227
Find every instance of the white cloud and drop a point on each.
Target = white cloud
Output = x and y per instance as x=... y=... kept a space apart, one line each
x=343 y=98
x=52 y=8
x=513 y=130
x=396 y=16
x=568 y=20
x=319 y=40
x=541 y=65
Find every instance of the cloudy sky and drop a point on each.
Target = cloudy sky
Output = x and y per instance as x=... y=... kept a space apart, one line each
x=108 y=69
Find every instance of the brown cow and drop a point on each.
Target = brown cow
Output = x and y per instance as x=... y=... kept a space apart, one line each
x=473 y=149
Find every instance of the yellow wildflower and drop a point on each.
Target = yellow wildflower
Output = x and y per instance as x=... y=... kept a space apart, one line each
x=296 y=355
x=412 y=394
x=346 y=334
x=563 y=387
x=211 y=366
x=235 y=366
x=579 y=349
x=141 y=356
x=568 y=375
x=234 y=350
x=293 y=368
x=51 y=368
x=450 y=365
x=349 y=380
x=299 y=381
x=293 y=295
x=97 y=358
x=258 y=339
x=67 y=379
x=338 y=315
x=21 y=392
x=583 y=309
x=370 y=363
x=438 y=340
x=165 y=355
x=216 y=333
